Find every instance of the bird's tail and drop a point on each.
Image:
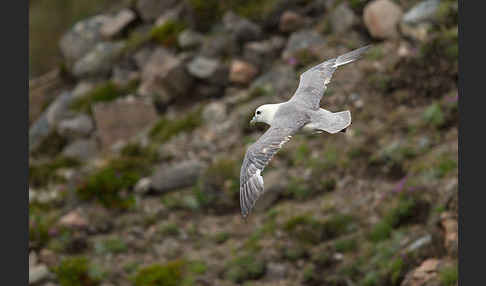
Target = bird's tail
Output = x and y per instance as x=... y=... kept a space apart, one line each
x=351 y=56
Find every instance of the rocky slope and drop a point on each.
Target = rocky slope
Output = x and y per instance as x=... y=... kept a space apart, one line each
x=137 y=140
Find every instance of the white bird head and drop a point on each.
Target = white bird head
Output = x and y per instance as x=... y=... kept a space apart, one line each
x=264 y=113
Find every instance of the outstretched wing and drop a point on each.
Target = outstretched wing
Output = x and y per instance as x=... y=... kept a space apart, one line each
x=313 y=81
x=256 y=158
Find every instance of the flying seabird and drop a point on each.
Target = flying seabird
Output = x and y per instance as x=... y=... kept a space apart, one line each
x=301 y=113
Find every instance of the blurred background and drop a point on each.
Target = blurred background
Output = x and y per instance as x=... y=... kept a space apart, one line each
x=139 y=121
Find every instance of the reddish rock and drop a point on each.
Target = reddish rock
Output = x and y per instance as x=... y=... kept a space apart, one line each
x=122 y=119
x=290 y=21
x=242 y=72
x=381 y=18
x=73 y=220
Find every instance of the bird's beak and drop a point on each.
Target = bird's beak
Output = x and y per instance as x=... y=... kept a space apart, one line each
x=253 y=121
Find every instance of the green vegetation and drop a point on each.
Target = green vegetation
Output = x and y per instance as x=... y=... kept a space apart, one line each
x=120 y=174
x=256 y=10
x=111 y=245
x=74 y=271
x=434 y=116
x=169 y=229
x=165 y=128
x=207 y=12
x=346 y=245
x=106 y=91
x=41 y=175
x=305 y=59
x=167 y=33
x=244 y=267
x=403 y=211
x=375 y=53
x=309 y=230
x=298 y=189
x=294 y=253
x=449 y=275
x=221 y=237
x=218 y=187
x=41 y=219
x=170 y=274
x=174 y=273
x=51 y=145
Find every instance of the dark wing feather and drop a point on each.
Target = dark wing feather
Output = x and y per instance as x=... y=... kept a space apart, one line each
x=256 y=158
x=313 y=81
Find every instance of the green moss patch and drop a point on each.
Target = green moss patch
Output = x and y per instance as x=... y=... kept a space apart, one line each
x=243 y=268
x=167 y=33
x=121 y=174
x=309 y=230
x=106 y=91
x=165 y=128
x=448 y=275
x=41 y=175
x=218 y=187
x=75 y=271
x=174 y=273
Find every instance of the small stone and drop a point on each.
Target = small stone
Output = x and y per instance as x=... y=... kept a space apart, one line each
x=81 y=149
x=290 y=21
x=419 y=243
x=99 y=61
x=242 y=29
x=165 y=75
x=342 y=18
x=381 y=18
x=79 y=40
x=73 y=220
x=79 y=126
x=38 y=273
x=177 y=176
x=202 y=67
x=151 y=9
x=302 y=40
x=114 y=26
x=189 y=39
x=214 y=113
x=422 y=12
x=143 y=185
x=32 y=258
x=48 y=257
x=242 y=72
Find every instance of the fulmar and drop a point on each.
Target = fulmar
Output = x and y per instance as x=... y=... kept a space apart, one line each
x=301 y=113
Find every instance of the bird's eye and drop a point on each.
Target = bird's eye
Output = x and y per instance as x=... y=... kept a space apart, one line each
x=258 y=112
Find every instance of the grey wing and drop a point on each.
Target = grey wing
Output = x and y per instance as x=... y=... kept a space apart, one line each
x=256 y=158
x=313 y=81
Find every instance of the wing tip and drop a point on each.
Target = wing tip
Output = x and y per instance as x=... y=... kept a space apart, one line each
x=352 y=55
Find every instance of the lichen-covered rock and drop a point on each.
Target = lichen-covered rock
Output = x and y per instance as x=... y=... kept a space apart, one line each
x=48 y=121
x=241 y=29
x=422 y=12
x=189 y=39
x=84 y=35
x=202 y=67
x=302 y=40
x=181 y=175
x=381 y=18
x=117 y=23
x=122 y=119
x=342 y=18
x=81 y=149
x=165 y=75
x=38 y=273
x=99 y=61
x=263 y=53
x=79 y=126
x=151 y=9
